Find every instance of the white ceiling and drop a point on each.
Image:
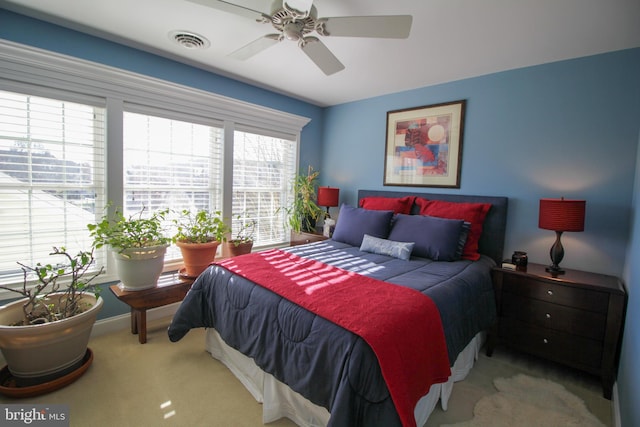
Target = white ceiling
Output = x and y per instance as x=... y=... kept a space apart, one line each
x=449 y=40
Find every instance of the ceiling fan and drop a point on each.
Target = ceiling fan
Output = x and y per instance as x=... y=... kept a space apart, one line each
x=296 y=25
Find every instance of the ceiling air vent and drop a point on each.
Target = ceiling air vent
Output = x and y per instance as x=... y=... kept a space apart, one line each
x=189 y=40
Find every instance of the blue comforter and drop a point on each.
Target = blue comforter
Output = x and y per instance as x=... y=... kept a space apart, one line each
x=323 y=362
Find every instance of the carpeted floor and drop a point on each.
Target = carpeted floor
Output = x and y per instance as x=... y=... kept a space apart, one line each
x=178 y=384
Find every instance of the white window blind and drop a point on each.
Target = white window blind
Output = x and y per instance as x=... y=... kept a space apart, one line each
x=52 y=178
x=263 y=167
x=171 y=164
x=106 y=92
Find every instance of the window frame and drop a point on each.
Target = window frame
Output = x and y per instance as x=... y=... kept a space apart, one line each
x=39 y=72
x=63 y=141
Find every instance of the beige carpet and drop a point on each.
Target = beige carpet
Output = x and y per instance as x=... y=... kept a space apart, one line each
x=526 y=401
x=179 y=384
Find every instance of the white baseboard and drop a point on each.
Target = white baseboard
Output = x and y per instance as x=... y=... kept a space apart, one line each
x=615 y=406
x=123 y=321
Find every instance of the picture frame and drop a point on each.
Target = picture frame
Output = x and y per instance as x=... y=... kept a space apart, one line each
x=424 y=145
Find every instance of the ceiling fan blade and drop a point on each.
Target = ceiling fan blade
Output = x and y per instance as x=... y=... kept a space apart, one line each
x=301 y=5
x=232 y=8
x=388 y=27
x=321 y=56
x=255 y=47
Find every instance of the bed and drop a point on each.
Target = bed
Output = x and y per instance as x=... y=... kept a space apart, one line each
x=314 y=369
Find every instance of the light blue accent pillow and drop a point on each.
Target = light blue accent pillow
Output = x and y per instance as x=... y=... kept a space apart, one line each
x=376 y=245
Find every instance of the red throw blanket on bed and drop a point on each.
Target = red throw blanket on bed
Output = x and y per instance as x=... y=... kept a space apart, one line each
x=401 y=325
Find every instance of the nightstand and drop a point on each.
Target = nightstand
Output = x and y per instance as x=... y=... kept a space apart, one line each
x=575 y=318
x=303 y=238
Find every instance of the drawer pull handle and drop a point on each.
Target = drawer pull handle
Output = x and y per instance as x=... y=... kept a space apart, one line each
x=548 y=316
x=550 y=292
x=544 y=340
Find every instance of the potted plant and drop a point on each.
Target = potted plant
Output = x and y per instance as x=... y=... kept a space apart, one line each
x=198 y=235
x=44 y=335
x=304 y=212
x=138 y=244
x=242 y=241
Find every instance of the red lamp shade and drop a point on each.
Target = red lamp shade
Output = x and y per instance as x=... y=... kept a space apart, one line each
x=561 y=214
x=328 y=196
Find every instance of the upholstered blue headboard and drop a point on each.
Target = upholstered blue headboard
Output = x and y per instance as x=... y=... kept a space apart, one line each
x=493 y=232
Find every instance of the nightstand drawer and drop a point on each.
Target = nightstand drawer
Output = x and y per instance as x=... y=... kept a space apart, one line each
x=588 y=324
x=558 y=294
x=304 y=238
x=559 y=346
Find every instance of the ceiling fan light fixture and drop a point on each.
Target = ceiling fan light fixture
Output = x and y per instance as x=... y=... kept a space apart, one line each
x=189 y=40
x=292 y=31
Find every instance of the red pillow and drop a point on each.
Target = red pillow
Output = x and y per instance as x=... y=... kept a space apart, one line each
x=470 y=212
x=396 y=204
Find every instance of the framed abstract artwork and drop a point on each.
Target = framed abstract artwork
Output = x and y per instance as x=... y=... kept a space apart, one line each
x=424 y=146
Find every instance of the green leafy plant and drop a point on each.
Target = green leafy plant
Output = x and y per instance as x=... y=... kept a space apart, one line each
x=136 y=231
x=303 y=213
x=66 y=278
x=200 y=227
x=246 y=232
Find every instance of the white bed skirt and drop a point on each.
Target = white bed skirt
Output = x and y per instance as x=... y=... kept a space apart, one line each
x=280 y=401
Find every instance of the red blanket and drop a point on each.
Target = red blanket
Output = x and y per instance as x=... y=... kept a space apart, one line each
x=401 y=325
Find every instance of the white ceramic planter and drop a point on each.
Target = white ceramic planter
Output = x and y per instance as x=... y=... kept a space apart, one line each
x=139 y=268
x=38 y=353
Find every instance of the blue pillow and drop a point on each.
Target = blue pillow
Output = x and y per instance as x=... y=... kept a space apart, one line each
x=462 y=239
x=354 y=223
x=435 y=238
x=375 y=245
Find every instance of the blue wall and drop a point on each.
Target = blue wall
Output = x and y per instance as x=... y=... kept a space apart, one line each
x=629 y=371
x=564 y=129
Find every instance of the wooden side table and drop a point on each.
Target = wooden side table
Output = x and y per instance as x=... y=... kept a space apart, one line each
x=303 y=238
x=170 y=289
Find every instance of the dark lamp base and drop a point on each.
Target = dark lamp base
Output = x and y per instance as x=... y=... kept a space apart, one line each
x=327 y=214
x=556 y=253
x=554 y=270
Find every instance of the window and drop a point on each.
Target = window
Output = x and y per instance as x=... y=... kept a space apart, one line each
x=51 y=177
x=263 y=167
x=171 y=164
x=178 y=165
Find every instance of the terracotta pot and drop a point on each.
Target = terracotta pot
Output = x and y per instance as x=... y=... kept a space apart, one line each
x=40 y=353
x=197 y=256
x=235 y=249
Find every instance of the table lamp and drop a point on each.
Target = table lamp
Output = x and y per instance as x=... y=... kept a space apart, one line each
x=328 y=197
x=560 y=215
